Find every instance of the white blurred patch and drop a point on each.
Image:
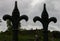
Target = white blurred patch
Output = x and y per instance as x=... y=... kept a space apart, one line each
x=29 y=27
x=34 y=2
x=56 y=5
x=53 y=28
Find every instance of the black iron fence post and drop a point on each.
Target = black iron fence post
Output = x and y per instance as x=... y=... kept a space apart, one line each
x=45 y=20
x=15 y=18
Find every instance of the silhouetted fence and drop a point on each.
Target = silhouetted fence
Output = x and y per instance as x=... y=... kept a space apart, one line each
x=15 y=18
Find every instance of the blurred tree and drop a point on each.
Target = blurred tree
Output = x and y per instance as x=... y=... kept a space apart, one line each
x=9 y=25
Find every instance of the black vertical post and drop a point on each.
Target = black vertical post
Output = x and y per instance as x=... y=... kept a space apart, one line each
x=45 y=20
x=15 y=18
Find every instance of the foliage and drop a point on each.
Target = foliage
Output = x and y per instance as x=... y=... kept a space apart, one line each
x=9 y=25
x=27 y=35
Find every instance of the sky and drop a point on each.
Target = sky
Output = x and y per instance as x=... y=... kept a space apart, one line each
x=31 y=8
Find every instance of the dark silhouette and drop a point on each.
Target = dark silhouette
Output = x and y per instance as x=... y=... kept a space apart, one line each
x=0 y=20
x=36 y=35
x=56 y=34
x=45 y=20
x=15 y=18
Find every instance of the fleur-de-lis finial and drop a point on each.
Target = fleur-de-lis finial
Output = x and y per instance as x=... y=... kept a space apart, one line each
x=15 y=19
x=45 y=20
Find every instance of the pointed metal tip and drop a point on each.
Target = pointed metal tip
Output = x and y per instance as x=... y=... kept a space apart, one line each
x=15 y=7
x=44 y=6
x=44 y=13
x=15 y=10
x=15 y=3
